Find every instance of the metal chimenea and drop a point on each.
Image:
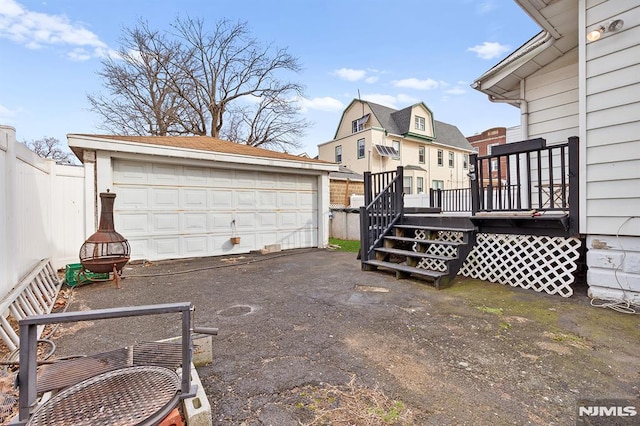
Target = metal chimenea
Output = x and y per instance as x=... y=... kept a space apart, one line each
x=106 y=250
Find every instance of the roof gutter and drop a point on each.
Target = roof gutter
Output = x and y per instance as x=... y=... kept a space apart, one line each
x=545 y=41
x=524 y=110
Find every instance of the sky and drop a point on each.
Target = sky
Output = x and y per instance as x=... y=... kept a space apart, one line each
x=391 y=52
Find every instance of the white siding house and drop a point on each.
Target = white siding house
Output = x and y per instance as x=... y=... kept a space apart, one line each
x=566 y=85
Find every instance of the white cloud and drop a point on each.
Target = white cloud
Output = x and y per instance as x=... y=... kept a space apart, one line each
x=398 y=101
x=489 y=50
x=371 y=79
x=485 y=7
x=7 y=115
x=36 y=30
x=416 y=84
x=322 y=104
x=350 y=74
x=457 y=90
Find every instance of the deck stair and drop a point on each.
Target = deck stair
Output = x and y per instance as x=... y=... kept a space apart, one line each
x=434 y=253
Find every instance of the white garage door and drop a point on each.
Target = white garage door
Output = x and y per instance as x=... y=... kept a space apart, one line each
x=173 y=211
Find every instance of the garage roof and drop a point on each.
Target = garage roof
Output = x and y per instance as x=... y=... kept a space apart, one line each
x=203 y=147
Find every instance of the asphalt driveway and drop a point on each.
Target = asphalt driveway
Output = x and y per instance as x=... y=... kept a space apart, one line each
x=306 y=335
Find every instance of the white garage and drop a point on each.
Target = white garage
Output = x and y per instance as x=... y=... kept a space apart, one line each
x=181 y=197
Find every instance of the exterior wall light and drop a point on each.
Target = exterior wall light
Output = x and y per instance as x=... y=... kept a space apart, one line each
x=612 y=27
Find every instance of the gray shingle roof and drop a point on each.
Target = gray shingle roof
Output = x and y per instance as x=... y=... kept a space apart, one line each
x=399 y=123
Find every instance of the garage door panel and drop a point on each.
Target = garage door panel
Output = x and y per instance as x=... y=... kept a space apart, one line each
x=245 y=200
x=165 y=198
x=194 y=198
x=267 y=200
x=195 y=222
x=287 y=220
x=287 y=199
x=166 y=222
x=165 y=174
x=267 y=181
x=221 y=199
x=306 y=183
x=245 y=221
x=167 y=247
x=129 y=223
x=139 y=248
x=195 y=246
x=267 y=220
x=287 y=181
x=132 y=198
x=130 y=172
x=195 y=176
x=244 y=179
x=220 y=178
x=307 y=200
x=219 y=222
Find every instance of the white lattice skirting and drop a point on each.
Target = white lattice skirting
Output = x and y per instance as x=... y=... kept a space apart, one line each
x=543 y=264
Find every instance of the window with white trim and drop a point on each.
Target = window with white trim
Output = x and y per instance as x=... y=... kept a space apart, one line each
x=440 y=158
x=465 y=161
x=420 y=185
x=420 y=123
x=396 y=146
x=421 y=155
x=339 y=154
x=407 y=183
x=360 y=148
x=494 y=165
x=437 y=184
x=452 y=159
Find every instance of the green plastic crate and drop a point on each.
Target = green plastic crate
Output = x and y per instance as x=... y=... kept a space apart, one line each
x=76 y=274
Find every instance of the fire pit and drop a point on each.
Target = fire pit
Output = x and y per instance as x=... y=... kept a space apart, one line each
x=106 y=250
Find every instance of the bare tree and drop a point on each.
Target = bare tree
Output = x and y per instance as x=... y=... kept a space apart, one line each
x=141 y=99
x=272 y=123
x=49 y=147
x=190 y=81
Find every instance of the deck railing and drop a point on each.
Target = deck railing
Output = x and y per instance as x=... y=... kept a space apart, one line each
x=451 y=200
x=383 y=208
x=526 y=176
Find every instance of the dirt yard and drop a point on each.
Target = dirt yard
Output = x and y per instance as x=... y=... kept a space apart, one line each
x=307 y=338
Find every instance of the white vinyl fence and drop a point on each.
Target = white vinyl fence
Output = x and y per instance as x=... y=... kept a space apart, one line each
x=41 y=211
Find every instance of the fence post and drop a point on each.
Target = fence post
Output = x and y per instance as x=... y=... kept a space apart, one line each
x=365 y=220
x=399 y=194
x=574 y=186
x=475 y=190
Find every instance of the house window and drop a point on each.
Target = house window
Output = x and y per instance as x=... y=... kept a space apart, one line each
x=358 y=125
x=465 y=161
x=420 y=124
x=420 y=185
x=407 y=183
x=440 y=158
x=339 y=154
x=489 y=147
x=452 y=158
x=421 y=155
x=437 y=184
x=396 y=146
x=360 y=148
x=494 y=165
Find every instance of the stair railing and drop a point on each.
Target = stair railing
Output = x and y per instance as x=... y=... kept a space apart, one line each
x=384 y=207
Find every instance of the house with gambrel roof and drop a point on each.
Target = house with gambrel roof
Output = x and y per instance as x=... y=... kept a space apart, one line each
x=372 y=137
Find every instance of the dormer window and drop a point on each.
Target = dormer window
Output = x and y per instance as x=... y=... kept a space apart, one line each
x=358 y=125
x=420 y=123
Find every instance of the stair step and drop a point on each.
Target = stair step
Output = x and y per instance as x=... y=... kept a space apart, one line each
x=418 y=240
x=408 y=253
x=435 y=275
x=434 y=228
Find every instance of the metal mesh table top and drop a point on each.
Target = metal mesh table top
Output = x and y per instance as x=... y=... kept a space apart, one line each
x=128 y=396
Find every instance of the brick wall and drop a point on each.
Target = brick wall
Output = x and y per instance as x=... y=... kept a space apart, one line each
x=481 y=142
